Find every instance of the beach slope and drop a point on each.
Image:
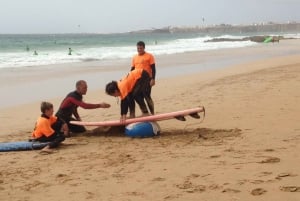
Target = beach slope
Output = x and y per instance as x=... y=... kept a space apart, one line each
x=247 y=147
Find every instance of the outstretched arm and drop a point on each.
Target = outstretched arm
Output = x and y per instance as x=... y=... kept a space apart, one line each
x=87 y=105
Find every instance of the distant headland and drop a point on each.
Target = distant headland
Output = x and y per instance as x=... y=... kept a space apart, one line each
x=262 y=30
x=228 y=28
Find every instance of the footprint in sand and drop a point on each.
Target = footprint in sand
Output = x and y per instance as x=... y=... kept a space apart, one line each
x=290 y=188
x=90 y=195
x=269 y=150
x=189 y=187
x=172 y=197
x=270 y=160
x=193 y=176
x=158 y=179
x=135 y=193
x=258 y=191
x=230 y=190
x=262 y=174
x=185 y=185
x=215 y=156
x=285 y=174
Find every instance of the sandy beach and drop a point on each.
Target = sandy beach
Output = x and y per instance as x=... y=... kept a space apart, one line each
x=247 y=147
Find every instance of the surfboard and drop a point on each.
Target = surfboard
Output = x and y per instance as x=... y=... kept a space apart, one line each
x=179 y=115
x=268 y=39
x=22 y=146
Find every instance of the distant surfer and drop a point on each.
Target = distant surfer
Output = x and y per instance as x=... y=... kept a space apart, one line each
x=70 y=51
x=131 y=88
x=68 y=108
x=144 y=60
x=35 y=52
x=27 y=48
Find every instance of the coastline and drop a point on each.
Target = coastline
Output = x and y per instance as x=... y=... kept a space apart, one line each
x=246 y=148
x=97 y=74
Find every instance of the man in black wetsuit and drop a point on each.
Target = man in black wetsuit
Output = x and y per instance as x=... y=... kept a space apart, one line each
x=68 y=108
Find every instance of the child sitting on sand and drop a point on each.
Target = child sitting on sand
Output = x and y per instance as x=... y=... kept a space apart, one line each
x=49 y=128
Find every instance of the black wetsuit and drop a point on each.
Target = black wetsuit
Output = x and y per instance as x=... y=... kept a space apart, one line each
x=138 y=93
x=147 y=94
x=68 y=108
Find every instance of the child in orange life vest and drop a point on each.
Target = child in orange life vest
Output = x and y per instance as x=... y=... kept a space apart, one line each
x=49 y=128
x=131 y=88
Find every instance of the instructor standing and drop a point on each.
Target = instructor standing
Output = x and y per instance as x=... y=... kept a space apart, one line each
x=144 y=60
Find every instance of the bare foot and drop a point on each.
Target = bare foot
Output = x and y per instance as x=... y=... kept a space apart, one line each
x=46 y=150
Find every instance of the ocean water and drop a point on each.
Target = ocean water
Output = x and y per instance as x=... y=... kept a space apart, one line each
x=18 y=78
x=18 y=50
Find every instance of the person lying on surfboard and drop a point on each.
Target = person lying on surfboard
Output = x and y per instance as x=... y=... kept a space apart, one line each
x=49 y=128
x=131 y=88
x=72 y=101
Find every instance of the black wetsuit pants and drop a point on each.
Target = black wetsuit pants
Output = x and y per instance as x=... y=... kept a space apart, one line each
x=141 y=91
x=56 y=138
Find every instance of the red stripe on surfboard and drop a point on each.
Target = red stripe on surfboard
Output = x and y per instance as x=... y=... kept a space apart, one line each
x=156 y=117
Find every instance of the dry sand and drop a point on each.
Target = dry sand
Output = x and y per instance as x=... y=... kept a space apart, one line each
x=247 y=147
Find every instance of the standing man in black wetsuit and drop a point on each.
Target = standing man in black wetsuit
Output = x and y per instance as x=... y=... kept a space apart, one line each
x=68 y=108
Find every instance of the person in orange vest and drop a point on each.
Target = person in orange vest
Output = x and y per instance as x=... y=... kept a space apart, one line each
x=49 y=128
x=131 y=88
x=144 y=60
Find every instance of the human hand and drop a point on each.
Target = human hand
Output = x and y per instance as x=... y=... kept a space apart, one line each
x=152 y=82
x=104 y=105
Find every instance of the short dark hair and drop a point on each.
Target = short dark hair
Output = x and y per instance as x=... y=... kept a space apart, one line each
x=111 y=87
x=141 y=43
x=46 y=106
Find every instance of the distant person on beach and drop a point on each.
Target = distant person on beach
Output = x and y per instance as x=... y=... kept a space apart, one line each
x=49 y=128
x=275 y=39
x=131 y=88
x=68 y=108
x=70 y=51
x=35 y=52
x=144 y=60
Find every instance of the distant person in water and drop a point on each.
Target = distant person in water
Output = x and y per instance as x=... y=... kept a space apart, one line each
x=68 y=108
x=27 y=48
x=35 y=52
x=70 y=51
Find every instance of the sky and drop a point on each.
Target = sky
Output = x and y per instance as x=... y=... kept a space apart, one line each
x=112 y=16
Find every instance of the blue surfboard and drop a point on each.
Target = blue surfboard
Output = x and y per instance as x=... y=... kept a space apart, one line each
x=22 y=146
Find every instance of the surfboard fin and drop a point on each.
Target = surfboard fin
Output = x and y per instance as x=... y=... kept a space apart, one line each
x=195 y=115
x=181 y=118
